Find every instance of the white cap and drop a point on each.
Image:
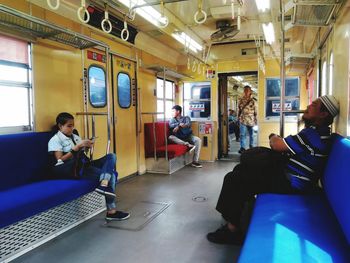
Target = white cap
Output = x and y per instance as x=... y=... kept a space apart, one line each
x=331 y=103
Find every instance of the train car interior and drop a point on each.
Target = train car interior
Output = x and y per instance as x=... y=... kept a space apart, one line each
x=130 y=130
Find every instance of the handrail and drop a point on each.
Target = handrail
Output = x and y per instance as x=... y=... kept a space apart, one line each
x=92 y=113
x=283 y=113
x=93 y=129
x=154 y=134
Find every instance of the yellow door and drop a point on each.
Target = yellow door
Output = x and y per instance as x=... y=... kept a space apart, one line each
x=124 y=101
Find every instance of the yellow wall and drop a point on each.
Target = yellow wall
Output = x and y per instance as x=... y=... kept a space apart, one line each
x=57 y=73
x=341 y=45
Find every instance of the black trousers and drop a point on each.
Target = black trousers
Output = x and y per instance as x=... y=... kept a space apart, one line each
x=243 y=183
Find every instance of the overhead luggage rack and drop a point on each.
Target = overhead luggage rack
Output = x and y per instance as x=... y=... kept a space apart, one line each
x=22 y=23
x=311 y=13
x=298 y=62
x=160 y=70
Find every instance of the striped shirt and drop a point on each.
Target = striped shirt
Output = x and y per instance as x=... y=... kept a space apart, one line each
x=310 y=149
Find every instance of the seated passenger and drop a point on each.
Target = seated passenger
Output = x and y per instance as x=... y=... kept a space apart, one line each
x=308 y=152
x=180 y=128
x=69 y=152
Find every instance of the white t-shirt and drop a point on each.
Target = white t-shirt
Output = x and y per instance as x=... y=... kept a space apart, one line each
x=61 y=143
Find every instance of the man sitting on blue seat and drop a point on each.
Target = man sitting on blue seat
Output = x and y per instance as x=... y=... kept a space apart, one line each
x=181 y=133
x=307 y=151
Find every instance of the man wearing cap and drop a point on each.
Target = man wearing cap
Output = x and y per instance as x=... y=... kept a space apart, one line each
x=308 y=152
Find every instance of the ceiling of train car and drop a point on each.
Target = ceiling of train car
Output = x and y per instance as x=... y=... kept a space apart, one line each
x=181 y=19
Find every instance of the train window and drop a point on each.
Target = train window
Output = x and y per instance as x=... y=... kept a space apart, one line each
x=324 y=79
x=169 y=98
x=124 y=90
x=331 y=67
x=97 y=87
x=15 y=86
x=273 y=93
x=197 y=100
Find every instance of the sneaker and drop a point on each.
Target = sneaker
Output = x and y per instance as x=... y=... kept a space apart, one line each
x=117 y=216
x=105 y=190
x=196 y=164
x=224 y=236
x=192 y=147
x=241 y=150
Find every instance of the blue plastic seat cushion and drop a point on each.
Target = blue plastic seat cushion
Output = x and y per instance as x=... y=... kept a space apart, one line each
x=27 y=200
x=23 y=158
x=336 y=182
x=294 y=228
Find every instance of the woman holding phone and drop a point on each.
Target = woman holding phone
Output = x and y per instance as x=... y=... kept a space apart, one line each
x=68 y=150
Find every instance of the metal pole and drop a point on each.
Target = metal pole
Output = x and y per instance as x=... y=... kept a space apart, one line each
x=283 y=73
x=154 y=139
x=108 y=103
x=84 y=78
x=165 y=131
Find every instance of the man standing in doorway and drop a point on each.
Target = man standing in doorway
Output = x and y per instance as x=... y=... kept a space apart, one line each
x=247 y=112
x=181 y=133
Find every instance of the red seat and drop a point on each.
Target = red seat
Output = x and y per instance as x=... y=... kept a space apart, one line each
x=174 y=150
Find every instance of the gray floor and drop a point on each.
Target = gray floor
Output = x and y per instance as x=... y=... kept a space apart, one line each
x=176 y=235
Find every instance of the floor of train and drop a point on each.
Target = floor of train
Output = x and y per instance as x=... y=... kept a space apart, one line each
x=178 y=234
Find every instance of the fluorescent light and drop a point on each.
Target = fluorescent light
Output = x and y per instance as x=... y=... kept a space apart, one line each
x=147 y=12
x=238 y=78
x=269 y=33
x=186 y=40
x=262 y=5
x=153 y=16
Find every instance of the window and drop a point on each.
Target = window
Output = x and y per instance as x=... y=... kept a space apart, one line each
x=197 y=99
x=324 y=79
x=331 y=67
x=273 y=96
x=124 y=90
x=97 y=87
x=169 y=98
x=15 y=86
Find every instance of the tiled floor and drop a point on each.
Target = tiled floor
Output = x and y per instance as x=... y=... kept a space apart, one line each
x=177 y=235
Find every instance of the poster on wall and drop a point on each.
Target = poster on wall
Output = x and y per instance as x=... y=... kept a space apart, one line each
x=197 y=107
x=276 y=106
x=205 y=128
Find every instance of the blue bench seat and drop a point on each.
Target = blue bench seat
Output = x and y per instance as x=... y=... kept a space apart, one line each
x=26 y=185
x=300 y=228
x=27 y=200
x=305 y=228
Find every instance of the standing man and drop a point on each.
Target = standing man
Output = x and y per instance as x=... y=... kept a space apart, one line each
x=181 y=133
x=247 y=112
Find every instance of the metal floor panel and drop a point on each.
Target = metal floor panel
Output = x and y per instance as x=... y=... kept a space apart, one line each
x=177 y=235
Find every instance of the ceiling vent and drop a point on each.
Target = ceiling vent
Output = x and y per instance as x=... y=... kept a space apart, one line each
x=226 y=31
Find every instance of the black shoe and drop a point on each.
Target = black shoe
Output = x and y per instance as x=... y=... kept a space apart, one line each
x=224 y=236
x=118 y=216
x=241 y=150
x=196 y=164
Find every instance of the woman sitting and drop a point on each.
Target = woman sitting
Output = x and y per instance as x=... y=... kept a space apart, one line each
x=71 y=162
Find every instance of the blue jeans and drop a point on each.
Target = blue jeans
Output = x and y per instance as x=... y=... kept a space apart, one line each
x=97 y=170
x=244 y=130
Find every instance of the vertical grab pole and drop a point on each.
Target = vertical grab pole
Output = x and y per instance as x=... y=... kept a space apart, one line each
x=283 y=73
x=93 y=135
x=154 y=139
x=165 y=131
x=108 y=103
x=85 y=81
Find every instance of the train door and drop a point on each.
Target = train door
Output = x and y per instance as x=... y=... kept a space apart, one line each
x=124 y=109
